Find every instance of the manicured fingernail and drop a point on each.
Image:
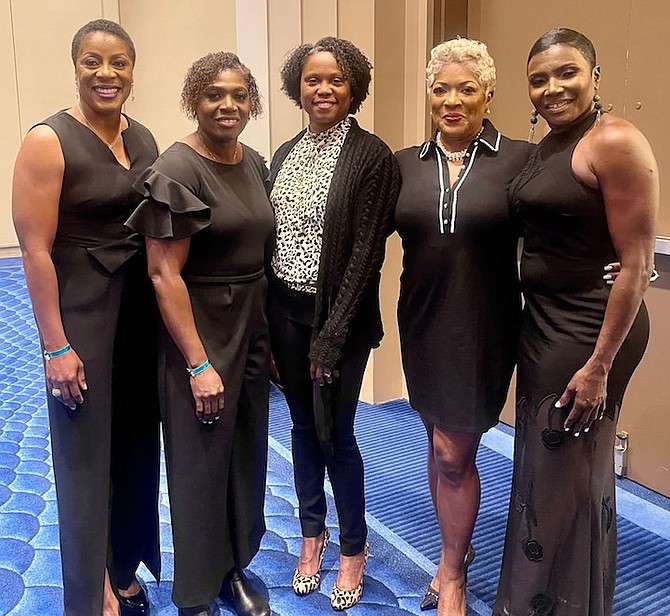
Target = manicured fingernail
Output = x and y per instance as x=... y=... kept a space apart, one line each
x=567 y=429
x=608 y=268
x=84 y=387
x=586 y=429
x=610 y=282
x=558 y=404
x=607 y=277
x=576 y=434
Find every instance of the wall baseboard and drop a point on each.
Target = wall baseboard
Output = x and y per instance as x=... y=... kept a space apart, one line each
x=9 y=251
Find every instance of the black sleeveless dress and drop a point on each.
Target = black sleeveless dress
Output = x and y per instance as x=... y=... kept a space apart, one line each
x=105 y=453
x=560 y=548
x=216 y=473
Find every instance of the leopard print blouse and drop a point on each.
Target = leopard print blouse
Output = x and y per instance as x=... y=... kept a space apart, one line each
x=299 y=197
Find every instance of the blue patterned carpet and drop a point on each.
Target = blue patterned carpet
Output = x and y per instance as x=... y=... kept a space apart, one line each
x=404 y=535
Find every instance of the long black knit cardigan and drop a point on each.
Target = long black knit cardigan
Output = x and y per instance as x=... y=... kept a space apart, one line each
x=358 y=220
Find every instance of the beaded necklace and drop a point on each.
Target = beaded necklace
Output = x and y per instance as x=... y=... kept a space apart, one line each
x=458 y=156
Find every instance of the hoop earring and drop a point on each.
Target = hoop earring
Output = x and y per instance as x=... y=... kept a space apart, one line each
x=533 y=123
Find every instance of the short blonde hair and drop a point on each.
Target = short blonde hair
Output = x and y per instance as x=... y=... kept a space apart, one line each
x=463 y=51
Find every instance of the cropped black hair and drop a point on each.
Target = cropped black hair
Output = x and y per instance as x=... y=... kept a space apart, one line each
x=565 y=36
x=101 y=25
x=205 y=70
x=356 y=68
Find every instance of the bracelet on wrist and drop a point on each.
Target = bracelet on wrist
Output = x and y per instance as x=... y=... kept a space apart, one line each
x=198 y=369
x=49 y=355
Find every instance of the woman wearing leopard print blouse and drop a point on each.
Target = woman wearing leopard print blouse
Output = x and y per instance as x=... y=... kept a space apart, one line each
x=334 y=187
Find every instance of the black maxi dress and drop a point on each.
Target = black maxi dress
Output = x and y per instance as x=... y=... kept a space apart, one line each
x=459 y=307
x=216 y=473
x=560 y=548
x=105 y=453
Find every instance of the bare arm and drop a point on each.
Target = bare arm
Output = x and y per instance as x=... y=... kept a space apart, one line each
x=38 y=178
x=166 y=260
x=620 y=159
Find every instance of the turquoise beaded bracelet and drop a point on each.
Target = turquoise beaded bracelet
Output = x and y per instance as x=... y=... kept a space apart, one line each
x=49 y=355
x=198 y=369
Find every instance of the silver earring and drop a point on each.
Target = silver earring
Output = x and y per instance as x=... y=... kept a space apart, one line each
x=132 y=91
x=533 y=123
x=598 y=106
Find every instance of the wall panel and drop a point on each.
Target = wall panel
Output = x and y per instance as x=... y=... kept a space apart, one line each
x=319 y=19
x=648 y=89
x=284 y=33
x=357 y=23
x=252 y=27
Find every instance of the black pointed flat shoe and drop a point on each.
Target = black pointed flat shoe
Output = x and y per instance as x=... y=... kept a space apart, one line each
x=432 y=596
x=240 y=595
x=137 y=605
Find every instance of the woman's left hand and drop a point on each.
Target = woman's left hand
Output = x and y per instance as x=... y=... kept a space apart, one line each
x=588 y=391
x=322 y=374
x=614 y=269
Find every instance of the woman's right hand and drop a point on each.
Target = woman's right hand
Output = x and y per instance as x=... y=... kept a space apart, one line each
x=65 y=373
x=207 y=389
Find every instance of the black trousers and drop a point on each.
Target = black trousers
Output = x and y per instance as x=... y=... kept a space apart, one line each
x=291 y=315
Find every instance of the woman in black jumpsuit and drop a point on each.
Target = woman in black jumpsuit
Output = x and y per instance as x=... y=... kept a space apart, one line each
x=97 y=319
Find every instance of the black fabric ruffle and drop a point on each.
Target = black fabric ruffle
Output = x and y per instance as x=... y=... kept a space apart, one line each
x=168 y=210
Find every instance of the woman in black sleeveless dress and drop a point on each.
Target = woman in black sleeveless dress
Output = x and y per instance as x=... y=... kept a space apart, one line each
x=588 y=196
x=96 y=315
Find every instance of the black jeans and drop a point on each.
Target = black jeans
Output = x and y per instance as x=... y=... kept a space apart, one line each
x=291 y=315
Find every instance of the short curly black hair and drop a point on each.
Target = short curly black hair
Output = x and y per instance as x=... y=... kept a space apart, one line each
x=101 y=25
x=205 y=70
x=355 y=67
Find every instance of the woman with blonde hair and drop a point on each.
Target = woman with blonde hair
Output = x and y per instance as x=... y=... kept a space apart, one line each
x=459 y=306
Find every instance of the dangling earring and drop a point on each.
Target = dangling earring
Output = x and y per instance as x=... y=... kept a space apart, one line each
x=533 y=122
x=76 y=90
x=132 y=91
x=597 y=105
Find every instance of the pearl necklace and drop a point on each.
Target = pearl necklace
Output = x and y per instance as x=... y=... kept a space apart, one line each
x=458 y=156
x=214 y=156
x=111 y=145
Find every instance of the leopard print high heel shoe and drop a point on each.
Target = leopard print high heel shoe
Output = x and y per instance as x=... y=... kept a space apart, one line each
x=341 y=600
x=306 y=584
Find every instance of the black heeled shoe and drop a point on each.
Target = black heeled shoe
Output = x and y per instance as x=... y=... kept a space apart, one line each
x=200 y=610
x=137 y=605
x=432 y=596
x=242 y=596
